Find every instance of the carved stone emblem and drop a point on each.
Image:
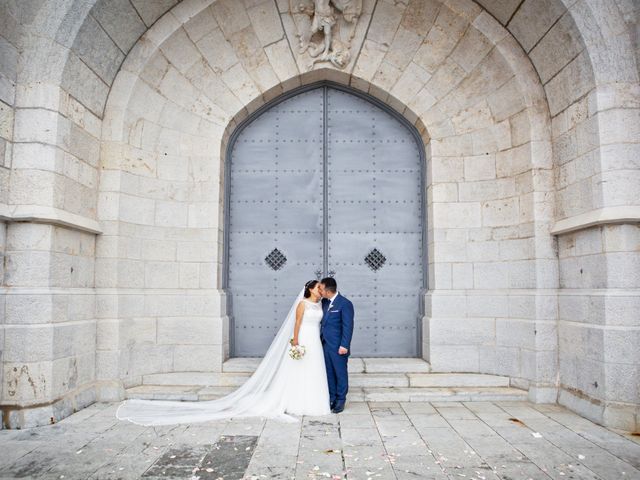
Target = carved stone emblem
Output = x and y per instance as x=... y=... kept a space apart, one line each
x=326 y=28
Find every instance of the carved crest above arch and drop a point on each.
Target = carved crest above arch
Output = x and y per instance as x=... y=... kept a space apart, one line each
x=325 y=29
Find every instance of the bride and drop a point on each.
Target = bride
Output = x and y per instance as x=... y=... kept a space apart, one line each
x=280 y=386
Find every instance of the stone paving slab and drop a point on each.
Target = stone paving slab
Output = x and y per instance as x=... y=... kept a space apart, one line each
x=494 y=440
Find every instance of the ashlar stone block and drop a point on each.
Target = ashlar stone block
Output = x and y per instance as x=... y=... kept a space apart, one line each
x=196 y=358
x=9 y=61
x=151 y=11
x=472 y=119
x=572 y=82
x=281 y=60
x=441 y=39
x=490 y=28
x=410 y=83
x=231 y=16
x=385 y=22
x=85 y=85
x=484 y=305
x=177 y=88
x=200 y=25
x=70 y=373
x=490 y=275
x=483 y=251
x=471 y=49
x=146 y=359
x=161 y=274
x=462 y=275
x=133 y=331
x=189 y=275
x=27 y=269
x=445 y=79
x=239 y=82
x=533 y=19
x=497 y=213
x=265 y=20
x=455 y=358
x=481 y=167
x=28 y=343
x=189 y=331
x=120 y=20
x=501 y=9
x=171 y=214
x=26 y=382
x=486 y=189
x=403 y=47
x=462 y=331
x=456 y=215
x=556 y=49
x=180 y=50
x=95 y=48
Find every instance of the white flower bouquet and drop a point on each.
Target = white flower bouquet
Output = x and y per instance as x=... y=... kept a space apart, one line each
x=296 y=351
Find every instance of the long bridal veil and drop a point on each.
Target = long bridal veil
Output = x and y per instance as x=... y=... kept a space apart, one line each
x=263 y=395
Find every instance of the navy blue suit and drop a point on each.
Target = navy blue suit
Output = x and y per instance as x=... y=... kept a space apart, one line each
x=335 y=332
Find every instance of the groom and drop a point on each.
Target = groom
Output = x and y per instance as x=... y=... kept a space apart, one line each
x=335 y=332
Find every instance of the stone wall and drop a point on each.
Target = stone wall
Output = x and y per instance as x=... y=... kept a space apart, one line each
x=114 y=120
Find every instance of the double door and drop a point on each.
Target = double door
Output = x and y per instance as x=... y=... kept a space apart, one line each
x=326 y=183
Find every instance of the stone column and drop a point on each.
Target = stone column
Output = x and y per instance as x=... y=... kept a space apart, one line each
x=599 y=305
x=49 y=325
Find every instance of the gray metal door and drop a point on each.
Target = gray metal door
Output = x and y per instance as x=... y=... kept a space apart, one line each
x=364 y=223
x=374 y=206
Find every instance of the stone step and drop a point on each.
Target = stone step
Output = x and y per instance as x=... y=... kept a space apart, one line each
x=196 y=378
x=356 y=365
x=379 y=380
x=438 y=394
x=445 y=380
x=367 y=394
x=177 y=392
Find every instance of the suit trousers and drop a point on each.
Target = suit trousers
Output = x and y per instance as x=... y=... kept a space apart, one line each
x=337 y=373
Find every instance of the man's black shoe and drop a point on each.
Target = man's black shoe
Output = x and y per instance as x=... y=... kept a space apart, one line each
x=338 y=407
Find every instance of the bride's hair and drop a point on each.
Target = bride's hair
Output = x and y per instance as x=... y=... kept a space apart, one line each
x=308 y=287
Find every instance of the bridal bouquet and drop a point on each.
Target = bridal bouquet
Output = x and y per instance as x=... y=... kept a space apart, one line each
x=296 y=351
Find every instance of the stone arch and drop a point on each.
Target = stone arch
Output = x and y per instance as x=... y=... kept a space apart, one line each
x=466 y=136
x=318 y=76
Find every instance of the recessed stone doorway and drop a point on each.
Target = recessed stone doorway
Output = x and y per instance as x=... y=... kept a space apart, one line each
x=326 y=181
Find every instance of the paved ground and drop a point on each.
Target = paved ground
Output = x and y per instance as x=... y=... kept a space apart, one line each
x=376 y=441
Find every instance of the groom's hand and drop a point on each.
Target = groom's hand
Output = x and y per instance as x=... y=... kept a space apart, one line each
x=342 y=351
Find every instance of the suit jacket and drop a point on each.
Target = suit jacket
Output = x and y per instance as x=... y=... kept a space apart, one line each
x=337 y=323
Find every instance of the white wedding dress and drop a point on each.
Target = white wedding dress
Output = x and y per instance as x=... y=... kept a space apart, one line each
x=280 y=386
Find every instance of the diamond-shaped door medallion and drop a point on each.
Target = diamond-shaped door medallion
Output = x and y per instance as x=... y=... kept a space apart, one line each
x=276 y=259
x=375 y=259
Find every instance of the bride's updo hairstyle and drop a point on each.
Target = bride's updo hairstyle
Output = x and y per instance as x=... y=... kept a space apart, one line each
x=310 y=285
